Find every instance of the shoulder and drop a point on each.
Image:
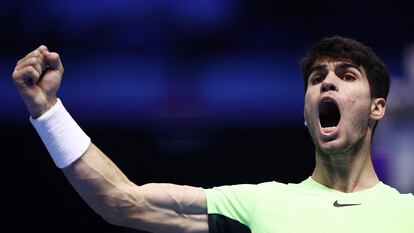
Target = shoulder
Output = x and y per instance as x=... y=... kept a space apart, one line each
x=405 y=199
x=248 y=188
x=240 y=201
x=247 y=193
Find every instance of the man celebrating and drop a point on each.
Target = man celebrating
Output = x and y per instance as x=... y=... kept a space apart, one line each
x=346 y=87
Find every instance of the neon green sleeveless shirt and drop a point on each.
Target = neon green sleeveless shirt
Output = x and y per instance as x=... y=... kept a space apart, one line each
x=309 y=207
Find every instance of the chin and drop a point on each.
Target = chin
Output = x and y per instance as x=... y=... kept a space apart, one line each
x=332 y=148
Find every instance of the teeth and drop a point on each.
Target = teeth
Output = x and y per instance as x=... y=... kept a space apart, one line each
x=328 y=129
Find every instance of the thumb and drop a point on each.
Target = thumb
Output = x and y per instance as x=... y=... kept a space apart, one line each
x=53 y=61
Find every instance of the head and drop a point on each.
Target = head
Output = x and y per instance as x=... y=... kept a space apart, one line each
x=346 y=87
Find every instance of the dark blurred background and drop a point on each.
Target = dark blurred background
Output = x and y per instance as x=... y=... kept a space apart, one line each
x=203 y=93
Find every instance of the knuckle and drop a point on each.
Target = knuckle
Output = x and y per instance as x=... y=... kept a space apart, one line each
x=33 y=61
x=36 y=53
x=15 y=75
x=55 y=56
x=31 y=71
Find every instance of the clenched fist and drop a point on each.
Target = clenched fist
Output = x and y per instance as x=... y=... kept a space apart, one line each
x=37 y=76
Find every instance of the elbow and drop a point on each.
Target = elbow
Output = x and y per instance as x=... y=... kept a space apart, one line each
x=114 y=220
x=113 y=215
x=111 y=219
x=120 y=208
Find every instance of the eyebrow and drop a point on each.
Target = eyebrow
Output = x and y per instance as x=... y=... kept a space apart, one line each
x=318 y=68
x=346 y=65
x=343 y=65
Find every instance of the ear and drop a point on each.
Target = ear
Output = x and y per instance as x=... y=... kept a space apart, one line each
x=378 y=106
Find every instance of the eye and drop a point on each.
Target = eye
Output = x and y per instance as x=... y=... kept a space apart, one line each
x=316 y=79
x=349 y=77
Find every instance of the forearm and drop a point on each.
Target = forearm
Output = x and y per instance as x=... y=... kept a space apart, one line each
x=94 y=176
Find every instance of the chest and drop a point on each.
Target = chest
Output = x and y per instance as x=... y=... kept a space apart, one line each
x=314 y=213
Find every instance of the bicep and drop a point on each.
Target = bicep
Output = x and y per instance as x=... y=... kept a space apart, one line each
x=169 y=208
x=181 y=198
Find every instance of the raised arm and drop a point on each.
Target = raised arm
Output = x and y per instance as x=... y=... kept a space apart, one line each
x=150 y=207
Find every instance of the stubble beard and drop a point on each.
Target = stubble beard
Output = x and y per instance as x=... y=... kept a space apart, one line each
x=343 y=148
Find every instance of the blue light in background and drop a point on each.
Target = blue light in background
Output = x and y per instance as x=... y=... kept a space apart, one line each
x=125 y=89
x=256 y=87
x=127 y=60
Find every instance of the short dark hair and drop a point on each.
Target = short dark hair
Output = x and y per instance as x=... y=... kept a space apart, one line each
x=341 y=48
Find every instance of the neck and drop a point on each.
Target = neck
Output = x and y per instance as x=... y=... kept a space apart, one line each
x=349 y=171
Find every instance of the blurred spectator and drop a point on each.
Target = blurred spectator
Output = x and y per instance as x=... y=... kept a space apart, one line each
x=395 y=136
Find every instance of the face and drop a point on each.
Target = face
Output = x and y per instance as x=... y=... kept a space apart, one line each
x=338 y=106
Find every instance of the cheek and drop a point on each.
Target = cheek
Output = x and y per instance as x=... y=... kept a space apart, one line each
x=359 y=97
x=309 y=98
x=361 y=94
x=307 y=108
x=358 y=108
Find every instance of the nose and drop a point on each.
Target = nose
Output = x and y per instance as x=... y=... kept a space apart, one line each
x=328 y=84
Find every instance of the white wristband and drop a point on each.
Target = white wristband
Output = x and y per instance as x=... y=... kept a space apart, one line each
x=62 y=136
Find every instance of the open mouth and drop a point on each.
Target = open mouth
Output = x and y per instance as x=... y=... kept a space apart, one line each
x=329 y=114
